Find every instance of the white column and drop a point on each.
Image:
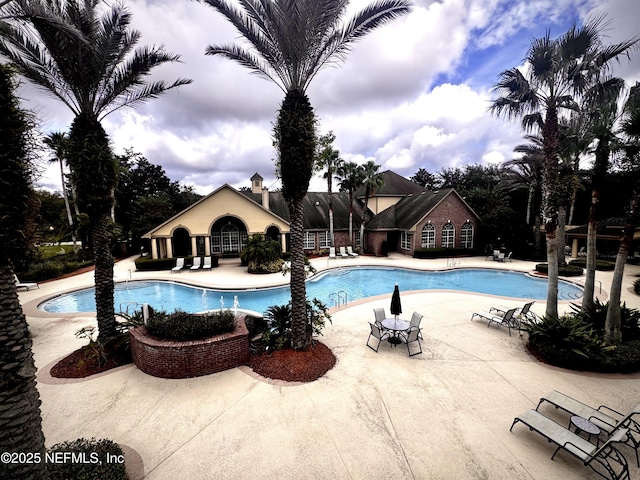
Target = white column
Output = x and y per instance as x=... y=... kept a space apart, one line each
x=167 y=242
x=154 y=248
x=207 y=245
x=194 y=247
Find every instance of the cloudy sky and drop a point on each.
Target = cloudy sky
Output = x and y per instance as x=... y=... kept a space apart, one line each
x=413 y=94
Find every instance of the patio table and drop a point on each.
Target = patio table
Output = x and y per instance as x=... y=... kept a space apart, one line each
x=395 y=325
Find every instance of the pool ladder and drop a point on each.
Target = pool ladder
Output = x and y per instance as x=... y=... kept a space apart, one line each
x=129 y=304
x=338 y=297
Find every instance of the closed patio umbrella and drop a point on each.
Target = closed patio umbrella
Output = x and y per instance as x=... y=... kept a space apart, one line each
x=396 y=306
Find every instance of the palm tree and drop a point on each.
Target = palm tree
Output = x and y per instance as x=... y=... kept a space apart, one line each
x=371 y=181
x=557 y=71
x=350 y=176
x=20 y=421
x=291 y=41
x=630 y=127
x=601 y=108
x=328 y=159
x=58 y=142
x=93 y=73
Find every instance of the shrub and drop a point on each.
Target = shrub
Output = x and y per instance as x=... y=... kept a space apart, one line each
x=441 y=252
x=262 y=254
x=565 y=271
x=597 y=315
x=566 y=334
x=278 y=333
x=183 y=326
x=96 y=464
x=636 y=286
x=601 y=265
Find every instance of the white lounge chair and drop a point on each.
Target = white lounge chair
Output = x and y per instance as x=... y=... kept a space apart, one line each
x=350 y=252
x=506 y=320
x=27 y=285
x=332 y=252
x=206 y=265
x=605 y=457
x=343 y=252
x=179 y=265
x=197 y=261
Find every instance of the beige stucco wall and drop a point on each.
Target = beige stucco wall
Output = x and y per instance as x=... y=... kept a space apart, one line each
x=378 y=204
x=199 y=219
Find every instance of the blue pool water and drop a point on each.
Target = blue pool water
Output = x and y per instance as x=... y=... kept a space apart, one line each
x=354 y=283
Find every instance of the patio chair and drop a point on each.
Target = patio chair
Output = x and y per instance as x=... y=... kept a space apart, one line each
x=27 y=285
x=376 y=333
x=350 y=252
x=416 y=318
x=206 y=265
x=196 y=263
x=505 y=320
x=379 y=315
x=332 y=252
x=508 y=257
x=521 y=313
x=604 y=458
x=413 y=336
x=605 y=418
x=500 y=257
x=179 y=265
x=343 y=252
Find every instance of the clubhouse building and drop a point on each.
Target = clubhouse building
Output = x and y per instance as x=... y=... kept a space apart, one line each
x=402 y=217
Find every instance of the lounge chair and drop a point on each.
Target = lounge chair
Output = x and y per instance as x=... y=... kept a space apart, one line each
x=603 y=417
x=508 y=257
x=376 y=333
x=416 y=318
x=332 y=252
x=605 y=458
x=413 y=336
x=350 y=252
x=500 y=257
x=521 y=313
x=206 y=265
x=506 y=320
x=343 y=252
x=27 y=285
x=197 y=261
x=179 y=265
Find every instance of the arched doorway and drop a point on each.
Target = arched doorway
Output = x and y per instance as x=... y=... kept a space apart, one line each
x=273 y=233
x=228 y=237
x=181 y=243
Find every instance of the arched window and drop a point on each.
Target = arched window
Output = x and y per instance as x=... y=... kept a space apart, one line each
x=448 y=235
x=230 y=238
x=428 y=236
x=466 y=235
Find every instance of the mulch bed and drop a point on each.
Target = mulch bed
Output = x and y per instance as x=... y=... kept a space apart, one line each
x=293 y=366
x=85 y=362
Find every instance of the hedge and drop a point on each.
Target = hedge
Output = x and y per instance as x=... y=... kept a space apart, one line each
x=602 y=265
x=566 y=271
x=441 y=252
x=184 y=326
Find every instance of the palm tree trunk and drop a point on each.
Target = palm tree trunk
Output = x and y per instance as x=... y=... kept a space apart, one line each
x=364 y=215
x=613 y=322
x=20 y=420
x=562 y=214
x=67 y=206
x=103 y=274
x=599 y=172
x=300 y=332
x=550 y=208
x=351 y=218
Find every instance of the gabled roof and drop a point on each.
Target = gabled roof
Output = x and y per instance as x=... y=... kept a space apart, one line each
x=394 y=186
x=316 y=209
x=204 y=199
x=410 y=210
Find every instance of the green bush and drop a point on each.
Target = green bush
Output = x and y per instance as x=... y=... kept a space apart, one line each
x=278 y=333
x=53 y=267
x=596 y=316
x=440 y=252
x=184 y=326
x=262 y=254
x=100 y=459
x=636 y=286
x=601 y=265
x=566 y=334
x=566 y=271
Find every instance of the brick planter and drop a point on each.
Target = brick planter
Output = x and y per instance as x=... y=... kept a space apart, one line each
x=194 y=358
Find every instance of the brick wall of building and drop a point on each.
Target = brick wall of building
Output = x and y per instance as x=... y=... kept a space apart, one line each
x=174 y=359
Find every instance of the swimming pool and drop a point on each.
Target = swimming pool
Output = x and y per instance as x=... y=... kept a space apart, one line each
x=330 y=286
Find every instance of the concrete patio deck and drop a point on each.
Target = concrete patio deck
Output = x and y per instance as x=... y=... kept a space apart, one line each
x=444 y=414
